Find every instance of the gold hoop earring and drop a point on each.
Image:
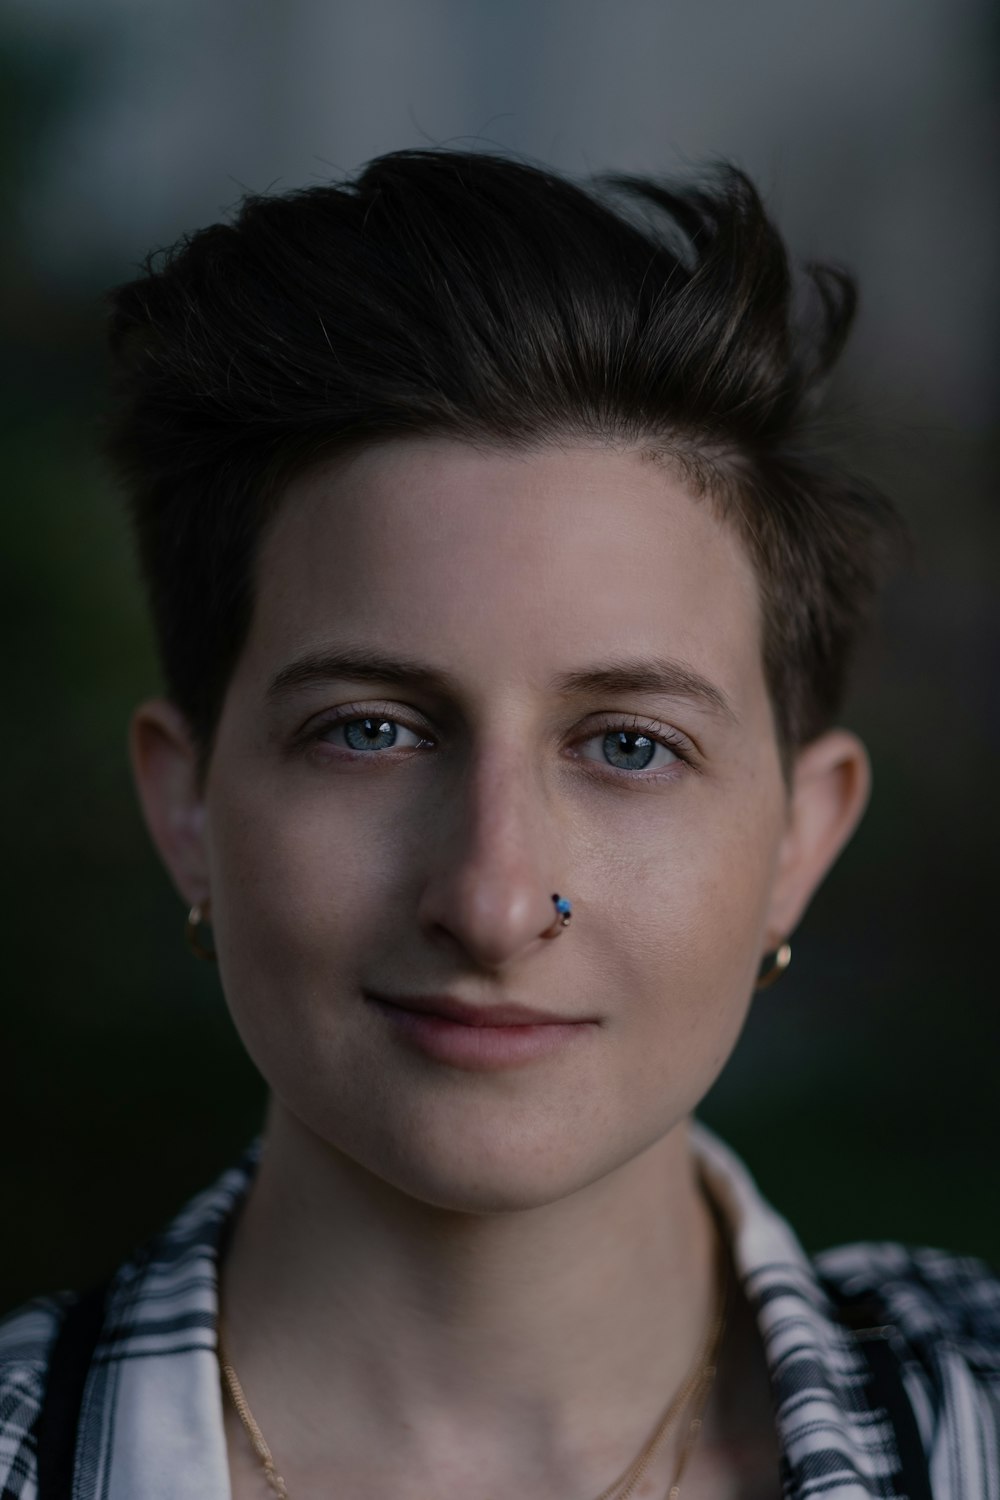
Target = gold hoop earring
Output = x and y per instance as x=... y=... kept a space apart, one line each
x=782 y=959
x=197 y=918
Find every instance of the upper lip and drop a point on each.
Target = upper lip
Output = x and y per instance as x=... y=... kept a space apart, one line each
x=466 y=1014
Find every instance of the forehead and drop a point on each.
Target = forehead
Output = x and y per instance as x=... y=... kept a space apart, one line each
x=516 y=562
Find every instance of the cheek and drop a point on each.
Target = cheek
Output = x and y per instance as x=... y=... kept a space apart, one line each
x=686 y=953
x=300 y=890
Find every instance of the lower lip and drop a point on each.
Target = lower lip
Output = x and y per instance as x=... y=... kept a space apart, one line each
x=481 y=1047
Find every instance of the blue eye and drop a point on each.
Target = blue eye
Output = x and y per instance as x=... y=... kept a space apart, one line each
x=630 y=750
x=370 y=734
x=625 y=747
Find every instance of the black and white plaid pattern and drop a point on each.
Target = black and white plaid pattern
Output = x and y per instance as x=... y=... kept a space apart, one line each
x=151 y=1425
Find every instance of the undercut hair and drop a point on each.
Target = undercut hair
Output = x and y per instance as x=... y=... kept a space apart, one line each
x=473 y=296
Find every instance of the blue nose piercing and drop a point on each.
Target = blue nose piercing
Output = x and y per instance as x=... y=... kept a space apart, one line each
x=564 y=911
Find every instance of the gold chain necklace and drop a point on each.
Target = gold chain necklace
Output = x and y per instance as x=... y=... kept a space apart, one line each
x=696 y=1387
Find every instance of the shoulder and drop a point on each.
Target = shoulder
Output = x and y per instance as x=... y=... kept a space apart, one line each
x=160 y=1301
x=941 y=1304
x=27 y=1337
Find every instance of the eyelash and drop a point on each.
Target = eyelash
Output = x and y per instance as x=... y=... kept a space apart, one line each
x=625 y=723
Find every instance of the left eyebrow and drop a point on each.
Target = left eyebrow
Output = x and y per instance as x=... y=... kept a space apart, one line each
x=619 y=675
x=662 y=675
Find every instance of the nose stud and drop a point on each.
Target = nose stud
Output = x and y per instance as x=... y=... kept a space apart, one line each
x=564 y=912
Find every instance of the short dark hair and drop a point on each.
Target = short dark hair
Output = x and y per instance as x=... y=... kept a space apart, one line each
x=467 y=294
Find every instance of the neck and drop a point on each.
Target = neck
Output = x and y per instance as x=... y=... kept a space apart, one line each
x=558 y=1332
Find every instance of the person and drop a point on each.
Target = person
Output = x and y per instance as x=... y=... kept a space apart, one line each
x=505 y=613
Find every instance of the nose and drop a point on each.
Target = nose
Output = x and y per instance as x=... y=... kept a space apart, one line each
x=494 y=868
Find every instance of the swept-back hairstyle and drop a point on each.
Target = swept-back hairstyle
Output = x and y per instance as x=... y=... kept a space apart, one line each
x=465 y=294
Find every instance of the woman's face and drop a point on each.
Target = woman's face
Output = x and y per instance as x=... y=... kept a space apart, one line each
x=564 y=693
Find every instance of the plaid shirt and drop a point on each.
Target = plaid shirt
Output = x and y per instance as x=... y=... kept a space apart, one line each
x=151 y=1419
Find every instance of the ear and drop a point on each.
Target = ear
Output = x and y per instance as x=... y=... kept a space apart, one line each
x=165 y=765
x=831 y=784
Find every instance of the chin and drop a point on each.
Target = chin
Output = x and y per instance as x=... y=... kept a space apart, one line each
x=483 y=1183
x=484 y=1165
x=474 y=1143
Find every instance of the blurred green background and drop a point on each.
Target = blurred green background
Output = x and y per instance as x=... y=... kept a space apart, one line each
x=863 y=1093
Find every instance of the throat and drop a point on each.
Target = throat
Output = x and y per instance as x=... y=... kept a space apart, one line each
x=386 y=1348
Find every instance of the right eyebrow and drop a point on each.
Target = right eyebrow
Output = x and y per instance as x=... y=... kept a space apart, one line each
x=360 y=665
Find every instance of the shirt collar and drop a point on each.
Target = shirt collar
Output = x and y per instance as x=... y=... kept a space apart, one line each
x=833 y=1444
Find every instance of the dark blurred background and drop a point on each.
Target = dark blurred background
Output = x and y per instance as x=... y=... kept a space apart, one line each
x=863 y=1094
